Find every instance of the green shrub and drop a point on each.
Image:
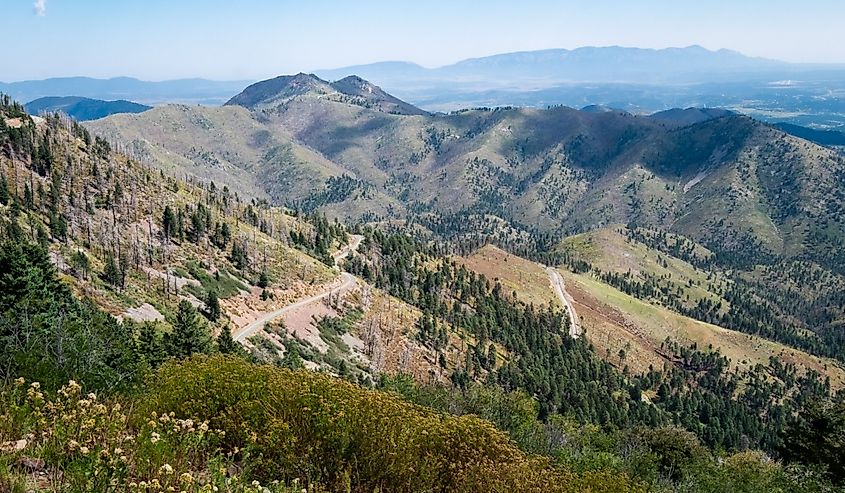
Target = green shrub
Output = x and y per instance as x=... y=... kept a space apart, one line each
x=298 y=424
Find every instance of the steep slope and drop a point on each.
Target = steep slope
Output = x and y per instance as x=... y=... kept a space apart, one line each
x=725 y=180
x=797 y=303
x=223 y=144
x=83 y=109
x=137 y=242
x=371 y=96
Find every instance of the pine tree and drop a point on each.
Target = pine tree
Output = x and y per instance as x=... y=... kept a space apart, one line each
x=212 y=306
x=190 y=335
x=238 y=256
x=81 y=263
x=4 y=190
x=226 y=344
x=151 y=346
x=292 y=359
x=168 y=222
x=263 y=279
x=111 y=272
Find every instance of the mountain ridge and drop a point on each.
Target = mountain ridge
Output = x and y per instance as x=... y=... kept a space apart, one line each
x=709 y=174
x=555 y=62
x=83 y=109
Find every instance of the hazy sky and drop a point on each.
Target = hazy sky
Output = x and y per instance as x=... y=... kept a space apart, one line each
x=252 y=39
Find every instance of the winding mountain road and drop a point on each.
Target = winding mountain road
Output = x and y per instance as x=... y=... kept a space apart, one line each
x=246 y=332
x=347 y=282
x=560 y=289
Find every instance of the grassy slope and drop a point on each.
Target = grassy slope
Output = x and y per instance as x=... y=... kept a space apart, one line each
x=556 y=168
x=611 y=251
x=527 y=279
x=254 y=157
x=220 y=143
x=614 y=320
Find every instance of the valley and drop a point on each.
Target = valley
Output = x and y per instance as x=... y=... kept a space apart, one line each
x=620 y=271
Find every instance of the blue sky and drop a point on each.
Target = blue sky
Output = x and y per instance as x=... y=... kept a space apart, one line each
x=252 y=39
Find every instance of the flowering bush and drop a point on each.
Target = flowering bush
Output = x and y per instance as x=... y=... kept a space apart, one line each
x=74 y=442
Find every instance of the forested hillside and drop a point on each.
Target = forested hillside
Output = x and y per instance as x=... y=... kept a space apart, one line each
x=145 y=247
x=114 y=269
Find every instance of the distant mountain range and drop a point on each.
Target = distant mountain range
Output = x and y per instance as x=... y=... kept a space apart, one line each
x=352 y=150
x=83 y=109
x=633 y=79
x=636 y=80
x=198 y=91
x=692 y=64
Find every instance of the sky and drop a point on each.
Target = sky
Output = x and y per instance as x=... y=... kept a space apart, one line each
x=256 y=39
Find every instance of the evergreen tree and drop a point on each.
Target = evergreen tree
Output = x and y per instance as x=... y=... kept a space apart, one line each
x=4 y=190
x=190 y=335
x=817 y=438
x=168 y=222
x=28 y=198
x=238 y=256
x=111 y=272
x=263 y=279
x=212 y=306
x=226 y=344
x=292 y=359
x=81 y=263
x=151 y=346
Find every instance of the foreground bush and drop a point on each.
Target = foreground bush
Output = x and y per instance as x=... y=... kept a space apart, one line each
x=286 y=424
x=72 y=442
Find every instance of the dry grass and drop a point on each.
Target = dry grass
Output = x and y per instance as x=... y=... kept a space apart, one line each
x=528 y=279
x=615 y=320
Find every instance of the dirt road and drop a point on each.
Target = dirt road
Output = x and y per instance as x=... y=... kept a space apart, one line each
x=347 y=282
x=246 y=332
x=560 y=288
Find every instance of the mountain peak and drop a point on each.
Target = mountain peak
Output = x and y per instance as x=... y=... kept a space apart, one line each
x=350 y=90
x=374 y=96
x=279 y=89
